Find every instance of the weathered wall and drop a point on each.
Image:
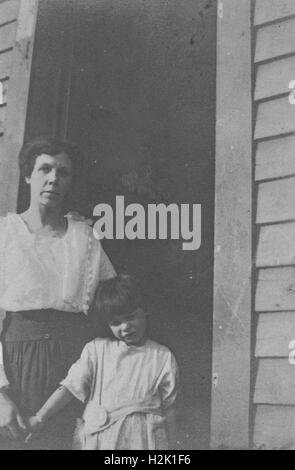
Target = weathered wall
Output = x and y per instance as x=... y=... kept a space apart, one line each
x=274 y=23
x=17 y=27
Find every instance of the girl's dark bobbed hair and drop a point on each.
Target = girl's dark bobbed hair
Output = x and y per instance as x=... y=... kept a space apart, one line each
x=50 y=146
x=118 y=296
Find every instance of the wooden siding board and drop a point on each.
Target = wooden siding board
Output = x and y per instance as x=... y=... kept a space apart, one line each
x=276 y=245
x=275 y=158
x=7 y=36
x=274 y=77
x=270 y=10
x=5 y=64
x=275 y=40
x=276 y=200
x=2 y=118
x=3 y=91
x=274 y=333
x=275 y=289
x=274 y=427
x=275 y=383
x=8 y=11
x=275 y=117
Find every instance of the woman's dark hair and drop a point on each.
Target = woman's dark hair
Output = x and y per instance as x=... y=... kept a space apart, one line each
x=118 y=296
x=50 y=146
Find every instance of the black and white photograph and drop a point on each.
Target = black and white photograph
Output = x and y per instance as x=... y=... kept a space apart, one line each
x=147 y=226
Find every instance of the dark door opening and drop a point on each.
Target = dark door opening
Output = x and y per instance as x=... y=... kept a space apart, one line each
x=132 y=82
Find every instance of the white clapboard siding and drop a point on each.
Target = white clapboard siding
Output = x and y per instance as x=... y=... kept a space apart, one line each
x=7 y=36
x=276 y=200
x=274 y=427
x=8 y=11
x=275 y=382
x=273 y=78
x=275 y=331
x=275 y=158
x=275 y=117
x=274 y=388
x=5 y=64
x=275 y=289
x=270 y=10
x=276 y=245
x=275 y=40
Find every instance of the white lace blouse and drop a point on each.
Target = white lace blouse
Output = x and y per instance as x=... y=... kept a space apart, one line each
x=38 y=272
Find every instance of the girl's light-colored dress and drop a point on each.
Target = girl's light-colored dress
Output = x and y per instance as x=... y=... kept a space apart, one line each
x=126 y=390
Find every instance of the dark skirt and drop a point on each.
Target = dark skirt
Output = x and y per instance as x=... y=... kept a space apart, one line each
x=39 y=346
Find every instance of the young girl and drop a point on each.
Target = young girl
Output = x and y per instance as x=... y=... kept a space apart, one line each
x=129 y=382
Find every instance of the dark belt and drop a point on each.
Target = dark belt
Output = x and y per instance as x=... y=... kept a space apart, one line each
x=44 y=324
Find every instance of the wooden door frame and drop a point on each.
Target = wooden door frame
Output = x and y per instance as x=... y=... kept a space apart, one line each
x=231 y=355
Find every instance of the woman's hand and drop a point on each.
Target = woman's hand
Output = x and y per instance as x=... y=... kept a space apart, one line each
x=12 y=424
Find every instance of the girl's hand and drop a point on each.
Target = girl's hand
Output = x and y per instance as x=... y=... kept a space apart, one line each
x=35 y=424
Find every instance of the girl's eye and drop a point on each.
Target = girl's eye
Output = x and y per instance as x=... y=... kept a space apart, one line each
x=64 y=173
x=130 y=318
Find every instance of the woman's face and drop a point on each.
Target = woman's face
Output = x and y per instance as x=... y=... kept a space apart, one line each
x=50 y=179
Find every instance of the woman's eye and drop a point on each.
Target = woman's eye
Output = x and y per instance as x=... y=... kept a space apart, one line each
x=45 y=169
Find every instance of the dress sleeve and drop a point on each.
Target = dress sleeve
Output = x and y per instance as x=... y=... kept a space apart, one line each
x=106 y=269
x=79 y=378
x=169 y=384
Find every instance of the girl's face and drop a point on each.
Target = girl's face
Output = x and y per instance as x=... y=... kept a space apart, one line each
x=50 y=179
x=130 y=328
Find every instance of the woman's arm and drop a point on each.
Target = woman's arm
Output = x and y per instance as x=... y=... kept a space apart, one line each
x=171 y=427
x=3 y=379
x=12 y=424
x=56 y=402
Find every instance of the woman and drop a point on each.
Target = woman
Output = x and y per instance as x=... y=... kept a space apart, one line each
x=50 y=266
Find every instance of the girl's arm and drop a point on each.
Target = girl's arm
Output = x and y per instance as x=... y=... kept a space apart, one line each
x=57 y=401
x=171 y=427
x=76 y=385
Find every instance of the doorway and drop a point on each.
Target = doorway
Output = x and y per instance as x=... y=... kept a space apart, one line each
x=132 y=82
